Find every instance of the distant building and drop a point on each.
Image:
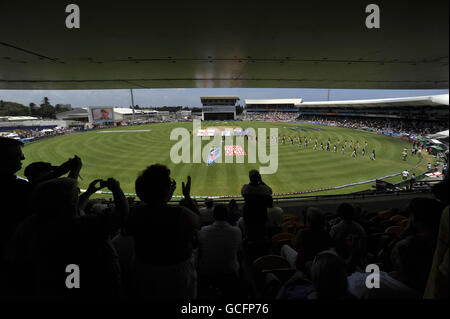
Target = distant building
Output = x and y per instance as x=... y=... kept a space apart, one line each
x=273 y=105
x=181 y=114
x=219 y=108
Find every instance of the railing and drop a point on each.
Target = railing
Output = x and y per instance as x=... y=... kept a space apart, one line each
x=353 y=196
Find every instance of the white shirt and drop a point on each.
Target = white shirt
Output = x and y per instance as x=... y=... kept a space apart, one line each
x=405 y=173
x=390 y=288
x=219 y=244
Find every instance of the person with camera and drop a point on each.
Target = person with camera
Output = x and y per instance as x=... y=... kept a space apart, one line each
x=57 y=235
x=38 y=172
x=256 y=186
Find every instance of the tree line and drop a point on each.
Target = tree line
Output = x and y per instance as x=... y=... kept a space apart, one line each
x=44 y=110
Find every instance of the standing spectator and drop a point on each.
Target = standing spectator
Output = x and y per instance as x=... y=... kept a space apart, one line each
x=256 y=187
x=56 y=236
x=405 y=175
x=14 y=193
x=412 y=181
x=37 y=172
x=164 y=236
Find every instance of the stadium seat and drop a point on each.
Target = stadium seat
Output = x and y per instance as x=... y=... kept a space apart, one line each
x=264 y=265
x=290 y=218
x=397 y=218
x=386 y=213
x=393 y=230
x=219 y=286
x=403 y=223
x=279 y=240
x=291 y=227
x=270 y=262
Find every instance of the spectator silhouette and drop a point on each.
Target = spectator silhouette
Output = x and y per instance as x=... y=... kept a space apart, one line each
x=256 y=187
x=37 y=172
x=164 y=238
x=14 y=193
x=56 y=236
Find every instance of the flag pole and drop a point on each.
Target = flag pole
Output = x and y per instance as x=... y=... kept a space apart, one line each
x=132 y=102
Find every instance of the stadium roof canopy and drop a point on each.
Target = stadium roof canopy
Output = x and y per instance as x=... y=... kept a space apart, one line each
x=273 y=101
x=22 y=118
x=124 y=110
x=219 y=98
x=418 y=101
x=443 y=134
x=203 y=44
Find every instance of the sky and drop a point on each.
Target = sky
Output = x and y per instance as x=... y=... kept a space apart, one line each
x=191 y=97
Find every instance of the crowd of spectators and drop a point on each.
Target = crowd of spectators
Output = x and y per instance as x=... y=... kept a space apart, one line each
x=154 y=249
x=270 y=116
x=36 y=133
x=378 y=125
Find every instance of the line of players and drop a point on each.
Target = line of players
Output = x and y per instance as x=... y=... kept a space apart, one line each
x=354 y=146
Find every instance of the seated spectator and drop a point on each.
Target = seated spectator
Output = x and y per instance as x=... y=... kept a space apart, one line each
x=234 y=213
x=219 y=244
x=206 y=213
x=274 y=216
x=349 y=229
x=424 y=219
x=411 y=258
x=308 y=242
x=256 y=187
x=164 y=238
x=347 y=226
x=424 y=216
x=329 y=277
x=56 y=236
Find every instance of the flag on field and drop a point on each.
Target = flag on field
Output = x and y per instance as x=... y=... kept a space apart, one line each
x=435 y=174
x=214 y=154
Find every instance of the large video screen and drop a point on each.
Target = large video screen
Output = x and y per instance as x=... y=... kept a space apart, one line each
x=102 y=114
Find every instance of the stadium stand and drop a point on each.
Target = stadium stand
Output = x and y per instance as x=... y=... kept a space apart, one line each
x=154 y=248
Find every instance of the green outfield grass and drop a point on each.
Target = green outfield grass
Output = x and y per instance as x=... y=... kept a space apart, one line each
x=123 y=155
